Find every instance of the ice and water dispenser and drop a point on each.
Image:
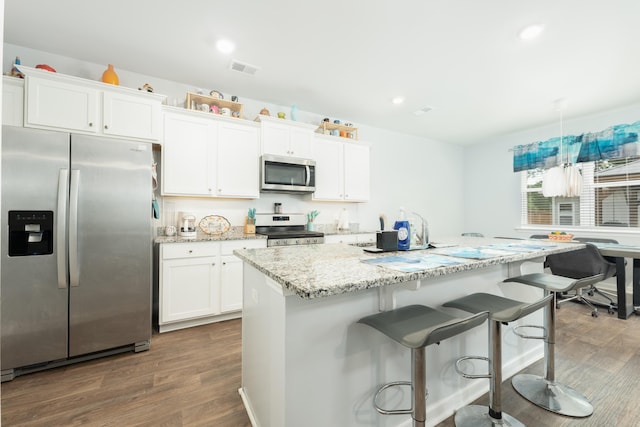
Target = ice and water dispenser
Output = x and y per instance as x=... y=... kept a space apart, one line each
x=30 y=233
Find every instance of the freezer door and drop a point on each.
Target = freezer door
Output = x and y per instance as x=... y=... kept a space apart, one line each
x=34 y=287
x=109 y=244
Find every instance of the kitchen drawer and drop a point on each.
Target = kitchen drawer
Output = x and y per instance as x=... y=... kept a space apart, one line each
x=227 y=247
x=341 y=238
x=189 y=250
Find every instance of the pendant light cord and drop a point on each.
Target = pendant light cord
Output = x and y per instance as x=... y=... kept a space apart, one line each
x=561 y=140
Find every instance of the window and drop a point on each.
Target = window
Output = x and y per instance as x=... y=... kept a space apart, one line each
x=610 y=197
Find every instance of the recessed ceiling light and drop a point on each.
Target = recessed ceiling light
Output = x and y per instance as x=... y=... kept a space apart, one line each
x=531 y=32
x=398 y=100
x=225 y=46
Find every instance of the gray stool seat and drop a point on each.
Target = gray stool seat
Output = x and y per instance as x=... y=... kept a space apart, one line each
x=553 y=283
x=416 y=327
x=501 y=310
x=545 y=392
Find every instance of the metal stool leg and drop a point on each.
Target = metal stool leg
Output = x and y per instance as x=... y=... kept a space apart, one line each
x=419 y=386
x=546 y=392
x=481 y=416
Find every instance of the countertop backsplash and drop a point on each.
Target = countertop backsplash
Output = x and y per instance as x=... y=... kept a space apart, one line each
x=237 y=233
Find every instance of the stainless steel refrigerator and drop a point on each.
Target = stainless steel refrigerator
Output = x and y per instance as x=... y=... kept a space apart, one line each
x=76 y=248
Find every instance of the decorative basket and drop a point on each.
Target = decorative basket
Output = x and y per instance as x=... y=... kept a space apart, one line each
x=560 y=237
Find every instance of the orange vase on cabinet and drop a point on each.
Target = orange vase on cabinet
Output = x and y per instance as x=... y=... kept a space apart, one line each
x=110 y=76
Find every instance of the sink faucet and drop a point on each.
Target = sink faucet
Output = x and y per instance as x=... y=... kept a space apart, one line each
x=422 y=238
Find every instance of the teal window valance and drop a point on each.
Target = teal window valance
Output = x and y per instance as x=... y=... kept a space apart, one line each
x=615 y=142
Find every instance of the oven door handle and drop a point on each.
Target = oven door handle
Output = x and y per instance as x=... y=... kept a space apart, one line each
x=308 y=175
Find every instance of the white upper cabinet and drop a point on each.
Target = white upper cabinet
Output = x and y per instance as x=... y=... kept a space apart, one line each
x=329 y=157
x=286 y=138
x=130 y=116
x=238 y=160
x=12 y=101
x=342 y=170
x=356 y=172
x=61 y=105
x=60 y=102
x=188 y=155
x=204 y=155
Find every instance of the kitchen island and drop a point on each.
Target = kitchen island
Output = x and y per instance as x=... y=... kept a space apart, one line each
x=305 y=361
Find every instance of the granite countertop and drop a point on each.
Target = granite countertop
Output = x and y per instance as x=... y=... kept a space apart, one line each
x=314 y=271
x=234 y=233
x=237 y=233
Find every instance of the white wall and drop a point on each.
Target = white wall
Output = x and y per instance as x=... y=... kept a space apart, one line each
x=421 y=175
x=492 y=189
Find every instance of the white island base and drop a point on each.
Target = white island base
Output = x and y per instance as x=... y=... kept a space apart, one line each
x=305 y=362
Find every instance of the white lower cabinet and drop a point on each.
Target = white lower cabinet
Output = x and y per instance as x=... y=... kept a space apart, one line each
x=200 y=282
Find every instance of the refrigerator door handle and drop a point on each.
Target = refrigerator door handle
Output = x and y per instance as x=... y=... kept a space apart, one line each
x=74 y=272
x=61 y=228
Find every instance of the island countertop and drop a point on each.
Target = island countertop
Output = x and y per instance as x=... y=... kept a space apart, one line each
x=314 y=271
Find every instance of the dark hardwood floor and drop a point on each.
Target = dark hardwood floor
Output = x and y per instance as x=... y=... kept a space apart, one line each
x=191 y=378
x=188 y=378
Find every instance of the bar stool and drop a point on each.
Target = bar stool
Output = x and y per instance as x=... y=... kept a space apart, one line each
x=416 y=327
x=501 y=310
x=545 y=391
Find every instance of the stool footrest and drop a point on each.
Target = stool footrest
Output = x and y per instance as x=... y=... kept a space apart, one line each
x=392 y=411
x=471 y=376
x=532 y=337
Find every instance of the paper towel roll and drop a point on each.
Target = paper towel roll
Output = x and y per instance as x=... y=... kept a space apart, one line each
x=343 y=222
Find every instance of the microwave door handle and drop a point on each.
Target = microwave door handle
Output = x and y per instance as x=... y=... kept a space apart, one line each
x=308 y=174
x=61 y=228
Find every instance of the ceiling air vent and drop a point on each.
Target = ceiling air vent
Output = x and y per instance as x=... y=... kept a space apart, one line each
x=422 y=111
x=243 y=67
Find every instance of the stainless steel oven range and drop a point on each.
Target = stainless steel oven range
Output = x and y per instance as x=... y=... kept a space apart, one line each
x=286 y=229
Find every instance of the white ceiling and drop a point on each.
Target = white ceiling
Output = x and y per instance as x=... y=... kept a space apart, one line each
x=347 y=59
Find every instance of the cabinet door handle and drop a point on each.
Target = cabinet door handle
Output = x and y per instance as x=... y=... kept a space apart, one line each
x=213 y=263
x=106 y=127
x=90 y=124
x=190 y=251
x=224 y=263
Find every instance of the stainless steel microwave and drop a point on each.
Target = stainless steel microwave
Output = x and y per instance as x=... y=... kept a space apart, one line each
x=287 y=174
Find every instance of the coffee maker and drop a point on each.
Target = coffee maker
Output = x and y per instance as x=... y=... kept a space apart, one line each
x=187 y=225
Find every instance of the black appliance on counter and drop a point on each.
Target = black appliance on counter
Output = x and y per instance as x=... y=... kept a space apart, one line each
x=286 y=229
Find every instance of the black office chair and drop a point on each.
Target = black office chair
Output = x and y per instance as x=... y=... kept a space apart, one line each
x=579 y=264
x=593 y=290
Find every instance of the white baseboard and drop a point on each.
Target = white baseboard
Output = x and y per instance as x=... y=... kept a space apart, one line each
x=247 y=407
